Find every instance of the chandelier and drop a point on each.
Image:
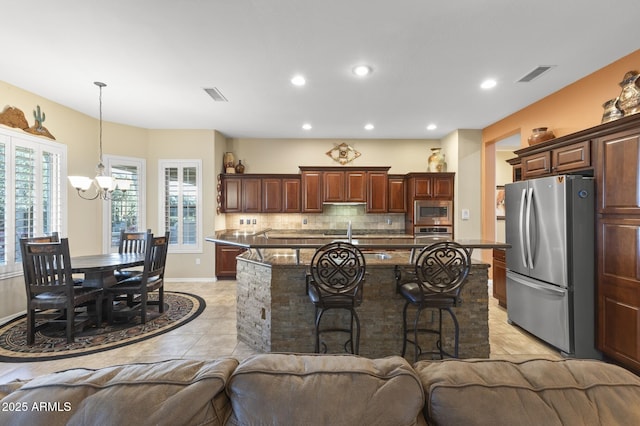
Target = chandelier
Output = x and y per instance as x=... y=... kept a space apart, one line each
x=104 y=184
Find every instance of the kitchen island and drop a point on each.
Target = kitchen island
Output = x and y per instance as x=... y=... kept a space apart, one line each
x=274 y=313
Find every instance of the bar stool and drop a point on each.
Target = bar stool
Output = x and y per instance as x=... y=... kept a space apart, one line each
x=436 y=282
x=335 y=281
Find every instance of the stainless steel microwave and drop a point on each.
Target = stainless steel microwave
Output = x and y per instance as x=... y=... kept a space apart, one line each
x=432 y=212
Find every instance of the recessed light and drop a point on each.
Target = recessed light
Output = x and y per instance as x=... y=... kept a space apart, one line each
x=307 y=126
x=432 y=127
x=368 y=126
x=488 y=84
x=362 y=70
x=298 y=80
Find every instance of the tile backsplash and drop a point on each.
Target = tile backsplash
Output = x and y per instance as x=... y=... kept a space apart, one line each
x=334 y=216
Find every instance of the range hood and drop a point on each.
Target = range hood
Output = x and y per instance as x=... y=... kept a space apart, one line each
x=345 y=203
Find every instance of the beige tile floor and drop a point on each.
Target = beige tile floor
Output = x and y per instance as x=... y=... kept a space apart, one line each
x=213 y=334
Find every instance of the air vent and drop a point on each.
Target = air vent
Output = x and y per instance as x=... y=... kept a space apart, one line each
x=216 y=95
x=537 y=72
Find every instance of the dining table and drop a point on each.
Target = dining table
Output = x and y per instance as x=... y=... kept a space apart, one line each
x=98 y=269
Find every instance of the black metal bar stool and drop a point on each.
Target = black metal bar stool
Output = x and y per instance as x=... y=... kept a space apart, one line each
x=335 y=281
x=436 y=282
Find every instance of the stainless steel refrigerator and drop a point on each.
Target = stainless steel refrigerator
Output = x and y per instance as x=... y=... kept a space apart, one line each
x=550 y=265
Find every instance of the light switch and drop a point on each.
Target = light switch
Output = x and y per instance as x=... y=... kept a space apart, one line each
x=465 y=214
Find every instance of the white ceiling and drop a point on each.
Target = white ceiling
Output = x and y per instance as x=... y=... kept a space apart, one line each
x=429 y=59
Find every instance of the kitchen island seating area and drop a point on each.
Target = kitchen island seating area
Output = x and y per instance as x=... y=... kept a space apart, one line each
x=335 y=282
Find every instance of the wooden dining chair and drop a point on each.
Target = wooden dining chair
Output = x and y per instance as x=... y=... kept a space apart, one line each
x=50 y=286
x=131 y=242
x=137 y=288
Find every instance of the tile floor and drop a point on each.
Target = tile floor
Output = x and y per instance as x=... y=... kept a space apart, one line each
x=195 y=340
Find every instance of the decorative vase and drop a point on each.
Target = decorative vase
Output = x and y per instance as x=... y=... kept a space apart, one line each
x=611 y=110
x=629 y=99
x=240 y=167
x=228 y=162
x=540 y=134
x=436 y=161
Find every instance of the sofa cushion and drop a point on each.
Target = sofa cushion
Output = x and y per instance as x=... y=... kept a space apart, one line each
x=169 y=392
x=284 y=389
x=532 y=392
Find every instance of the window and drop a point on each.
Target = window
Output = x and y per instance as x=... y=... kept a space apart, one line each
x=127 y=209
x=180 y=199
x=32 y=172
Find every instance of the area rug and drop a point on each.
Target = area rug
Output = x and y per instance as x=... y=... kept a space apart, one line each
x=51 y=343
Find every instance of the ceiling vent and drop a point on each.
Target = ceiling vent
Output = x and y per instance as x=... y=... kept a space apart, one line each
x=537 y=72
x=216 y=95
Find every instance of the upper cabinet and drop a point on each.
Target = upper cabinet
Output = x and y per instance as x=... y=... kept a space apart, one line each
x=341 y=186
x=437 y=186
x=397 y=193
x=253 y=193
x=311 y=191
x=569 y=158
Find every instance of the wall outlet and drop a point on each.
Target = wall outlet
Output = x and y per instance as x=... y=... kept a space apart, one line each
x=465 y=214
x=389 y=222
x=241 y=221
x=255 y=221
x=304 y=221
x=197 y=260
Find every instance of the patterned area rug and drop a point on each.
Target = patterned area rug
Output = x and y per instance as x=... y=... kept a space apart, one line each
x=51 y=343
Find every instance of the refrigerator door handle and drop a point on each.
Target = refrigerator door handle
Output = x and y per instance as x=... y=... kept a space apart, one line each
x=523 y=248
x=528 y=228
x=549 y=289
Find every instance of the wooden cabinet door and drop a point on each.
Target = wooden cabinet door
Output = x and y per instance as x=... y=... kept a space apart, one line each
x=572 y=157
x=312 y=192
x=397 y=195
x=422 y=187
x=377 y=192
x=355 y=186
x=536 y=165
x=500 y=276
x=252 y=195
x=333 y=186
x=271 y=195
x=618 y=175
x=442 y=187
x=291 y=196
x=619 y=288
x=232 y=195
x=226 y=260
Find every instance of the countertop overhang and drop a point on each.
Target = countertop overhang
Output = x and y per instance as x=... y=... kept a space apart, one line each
x=310 y=240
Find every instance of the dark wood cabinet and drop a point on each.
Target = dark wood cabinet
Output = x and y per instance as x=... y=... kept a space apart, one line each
x=312 y=192
x=377 y=192
x=431 y=185
x=291 y=195
x=569 y=158
x=618 y=174
x=397 y=194
x=271 y=195
x=340 y=186
x=231 y=195
x=252 y=195
x=500 y=276
x=226 y=260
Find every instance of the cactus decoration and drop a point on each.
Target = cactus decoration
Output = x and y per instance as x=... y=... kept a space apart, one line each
x=39 y=116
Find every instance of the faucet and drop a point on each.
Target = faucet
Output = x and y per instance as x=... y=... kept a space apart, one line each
x=349 y=232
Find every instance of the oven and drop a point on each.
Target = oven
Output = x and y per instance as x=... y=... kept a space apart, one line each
x=434 y=232
x=432 y=213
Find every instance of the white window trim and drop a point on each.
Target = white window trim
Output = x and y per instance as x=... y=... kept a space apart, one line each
x=10 y=138
x=162 y=165
x=141 y=163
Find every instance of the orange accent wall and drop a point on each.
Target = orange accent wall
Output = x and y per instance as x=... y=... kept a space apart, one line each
x=575 y=107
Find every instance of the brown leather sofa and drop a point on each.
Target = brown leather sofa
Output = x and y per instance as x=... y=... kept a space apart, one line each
x=286 y=389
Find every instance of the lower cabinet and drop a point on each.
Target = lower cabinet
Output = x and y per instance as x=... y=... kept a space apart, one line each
x=500 y=276
x=226 y=260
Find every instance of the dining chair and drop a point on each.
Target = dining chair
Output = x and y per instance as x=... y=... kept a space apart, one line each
x=50 y=286
x=440 y=271
x=135 y=290
x=335 y=281
x=131 y=242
